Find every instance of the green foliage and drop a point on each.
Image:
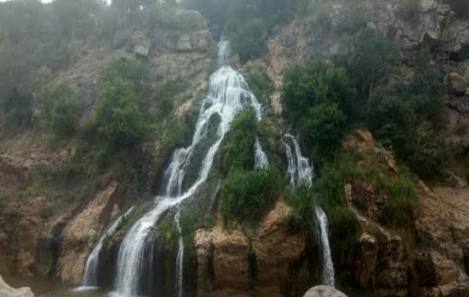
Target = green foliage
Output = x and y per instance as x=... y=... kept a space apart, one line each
x=119 y=121
x=259 y=82
x=353 y=17
x=408 y=124
x=65 y=116
x=248 y=38
x=238 y=147
x=409 y=8
x=60 y=110
x=170 y=17
x=345 y=229
x=373 y=58
x=401 y=208
x=126 y=69
x=462 y=127
x=313 y=84
x=247 y=195
x=325 y=127
x=320 y=11
x=17 y=109
x=301 y=199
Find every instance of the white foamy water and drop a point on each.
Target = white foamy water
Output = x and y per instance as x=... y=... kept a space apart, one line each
x=89 y=280
x=299 y=168
x=327 y=266
x=228 y=95
x=260 y=160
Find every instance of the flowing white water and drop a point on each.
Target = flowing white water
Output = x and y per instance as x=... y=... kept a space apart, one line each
x=327 y=266
x=260 y=160
x=224 y=52
x=299 y=168
x=228 y=95
x=180 y=257
x=90 y=274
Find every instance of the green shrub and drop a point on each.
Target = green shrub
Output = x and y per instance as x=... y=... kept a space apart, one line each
x=352 y=18
x=248 y=38
x=401 y=208
x=373 y=59
x=119 y=121
x=247 y=195
x=238 y=146
x=313 y=84
x=462 y=127
x=259 y=82
x=171 y=17
x=409 y=8
x=345 y=229
x=301 y=199
x=325 y=128
x=65 y=116
x=126 y=69
x=17 y=109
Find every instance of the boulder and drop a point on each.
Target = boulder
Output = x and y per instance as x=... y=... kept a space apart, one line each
x=324 y=291
x=7 y=291
x=456 y=84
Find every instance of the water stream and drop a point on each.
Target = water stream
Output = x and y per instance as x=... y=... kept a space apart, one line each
x=228 y=95
x=260 y=160
x=90 y=274
x=299 y=170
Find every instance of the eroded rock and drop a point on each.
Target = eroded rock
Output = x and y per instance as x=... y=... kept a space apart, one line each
x=7 y=291
x=324 y=291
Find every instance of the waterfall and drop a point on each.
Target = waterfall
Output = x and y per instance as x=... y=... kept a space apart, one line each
x=299 y=168
x=224 y=52
x=260 y=160
x=327 y=266
x=180 y=256
x=228 y=95
x=90 y=274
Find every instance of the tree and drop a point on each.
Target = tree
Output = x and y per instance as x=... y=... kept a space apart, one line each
x=373 y=58
x=325 y=127
x=65 y=116
x=119 y=121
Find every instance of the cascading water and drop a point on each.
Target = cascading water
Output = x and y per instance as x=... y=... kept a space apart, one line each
x=300 y=170
x=228 y=95
x=327 y=266
x=224 y=52
x=90 y=274
x=180 y=256
x=260 y=160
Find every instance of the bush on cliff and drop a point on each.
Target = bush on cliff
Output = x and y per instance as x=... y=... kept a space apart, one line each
x=247 y=195
x=237 y=150
x=119 y=121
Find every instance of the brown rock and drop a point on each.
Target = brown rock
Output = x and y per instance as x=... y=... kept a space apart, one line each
x=223 y=266
x=81 y=233
x=456 y=84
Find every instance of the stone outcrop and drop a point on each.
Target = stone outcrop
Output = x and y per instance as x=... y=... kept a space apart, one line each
x=84 y=230
x=227 y=259
x=324 y=291
x=456 y=84
x=7 y=291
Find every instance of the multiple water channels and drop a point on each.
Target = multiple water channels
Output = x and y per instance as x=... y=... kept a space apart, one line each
x=301 y=171
x=228 y=95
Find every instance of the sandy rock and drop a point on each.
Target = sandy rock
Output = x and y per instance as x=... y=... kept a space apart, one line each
x=7 y=291
x=456 y=84
x=324 y=291
x=83 y=231
x=223 y=266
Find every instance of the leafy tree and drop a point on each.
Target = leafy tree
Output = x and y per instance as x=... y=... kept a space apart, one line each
x=373 y=58
x=325 y=128
x=127 y=69
x=18 y=109
x=65 y=116
x=119 y=121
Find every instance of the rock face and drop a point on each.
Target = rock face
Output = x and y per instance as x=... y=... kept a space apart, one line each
x=324 y=291
x=456 y=84
x=230 y=263
x=7 y=291
x=83 y=231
